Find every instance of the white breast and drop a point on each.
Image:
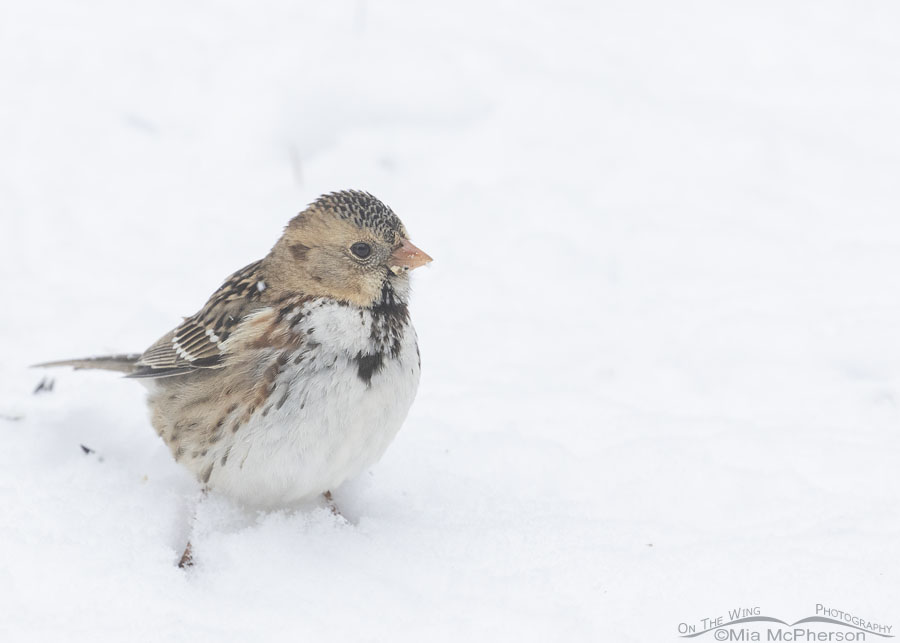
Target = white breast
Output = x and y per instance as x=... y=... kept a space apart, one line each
x=326 y=424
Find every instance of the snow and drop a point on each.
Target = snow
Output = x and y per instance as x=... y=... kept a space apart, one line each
x=661 y=373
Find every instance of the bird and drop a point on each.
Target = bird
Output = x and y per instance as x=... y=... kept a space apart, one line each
x=298 y=372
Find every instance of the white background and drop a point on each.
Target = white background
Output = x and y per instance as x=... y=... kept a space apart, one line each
x=661 y=368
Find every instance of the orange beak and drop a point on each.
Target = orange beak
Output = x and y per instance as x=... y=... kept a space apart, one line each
x=407 y=257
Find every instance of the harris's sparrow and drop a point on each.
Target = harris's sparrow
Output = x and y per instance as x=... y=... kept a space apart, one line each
x=298 y=372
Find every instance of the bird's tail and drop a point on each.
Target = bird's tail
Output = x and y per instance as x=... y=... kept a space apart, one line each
x=120 y=363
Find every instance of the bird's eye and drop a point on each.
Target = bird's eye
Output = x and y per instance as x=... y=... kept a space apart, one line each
x=361 y=250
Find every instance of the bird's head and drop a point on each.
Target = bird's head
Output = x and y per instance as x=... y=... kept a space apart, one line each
x=347 y=246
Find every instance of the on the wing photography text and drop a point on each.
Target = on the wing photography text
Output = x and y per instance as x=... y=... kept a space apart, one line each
x=750 y=624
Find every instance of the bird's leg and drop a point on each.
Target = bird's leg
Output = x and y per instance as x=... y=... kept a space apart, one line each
x=187 y=557
x=331 y=505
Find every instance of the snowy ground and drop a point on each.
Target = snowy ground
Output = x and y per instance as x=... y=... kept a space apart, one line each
x=661 y=367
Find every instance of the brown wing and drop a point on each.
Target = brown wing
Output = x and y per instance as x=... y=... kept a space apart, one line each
x=199 y=341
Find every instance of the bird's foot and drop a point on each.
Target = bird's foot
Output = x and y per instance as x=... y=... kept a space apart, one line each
x=331 y=504
x=187 y=558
